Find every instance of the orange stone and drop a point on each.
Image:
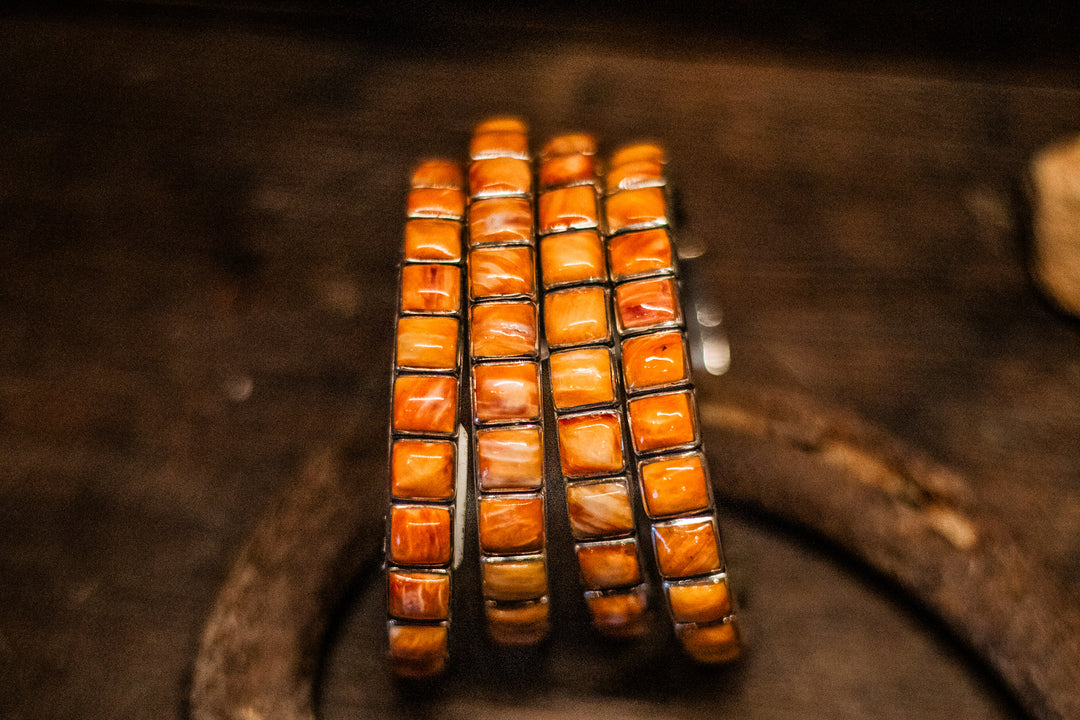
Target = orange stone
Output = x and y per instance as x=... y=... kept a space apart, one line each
x=501 y=123
x=425 y=404
x=422 y=469
x=419 y=535
x=427 y=240
x=503 y=329
x=576 y=316
x=600 y=509
x=572 y=257
x=619 y=613
x=426 y=342
x=501 y=272
x=637 y=151
x=654 y=361
x=568 y=144
x=501 y=220
x=517 y=624
x=570 y=208
x=607 y=565
x=446 y=203
x=639 y=253
x=711 y=644
x=673 y=486
x=636 y=209
x=510 y=458
x=495 y=143
x=662 y=422
x=591 y=444
x=511 y=524
x=635 y=174
x=699 y=601
x=437 y=173
x=686 y=547
x=581 y=377
x=567 y=170
x=514 y=579
x=418 y=595
x=647 y=303
x=417 y=651
x=431 y=289
x=496 y=176
x=506 y=392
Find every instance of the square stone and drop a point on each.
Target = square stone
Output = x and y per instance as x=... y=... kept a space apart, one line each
x=570 y=208
x=506 y=392
x=686 y=547
x=646 y=304
x=422 y=469
x=507 y=221
x=654 y=361
x=635 y=152
x=437 y=173
x=429 y=240
x=517 y=624
x=702 y=601
x=503 y=330
x=510 y=458
x=641 y=253
x=712 y=644
x=418 y=595
x=427 y=343
x=514 y=579
x=599 y=509
x=674 y=485
x=501 y=272
x=425 y=404
x=572 y=257
x=565 y=170
x=606 y=565
x=497 y=176
x=502 y=140
x=420 y=535
x=636 y=209
x=417 y=651
x=445 y=203
x=511 y=524
x=666 y=421
x=590 y=444
x=619 y=613
x=635 y=174
x=576 y=143
x=576 y=316
x=431 y=289
x=582 y=377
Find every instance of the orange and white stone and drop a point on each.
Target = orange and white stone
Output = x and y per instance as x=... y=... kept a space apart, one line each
x=637 y=253
x=446 y=203
x=591 y=444
x=517 y=624
x=418 y=595
x=514 y=579
x=501 y=272
x=581 y=377
x=422 y=469
x=417 y=651
x=576 y=316
x=655 y=360
x=575 y=143
x=567 y=170
x=499 y=137
x=621 y=613
x=701 y=601
x=495 y=176
x=425 y=403
x=510 y=458
x=572 y=257
x=428 y=343
x=711 y=644
x=638 y=151
x=420 y=535
x=428 y=240
x=686 y=547
x=430 y=289
x=570 y=208
x=506 y=392
x=673 y=486
x=647 y=303
x=437 y=173
x=511 y=524
x=506 y=220
x=663 y=421
x=503 y=329
x=607 y=565
x=635 y=174
x=599 y=509
x=636 y=209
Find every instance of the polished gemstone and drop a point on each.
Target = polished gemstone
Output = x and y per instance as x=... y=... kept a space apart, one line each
x=511 y=524
x=447 y=203
x=599 y=509
x=700 y=601
x=510 y=458
x=428 y=240
x=501 y=123
x=568 y=144
x=417 y=651
x=576 y=316
x=499 y=142
x=566 y=170
x=501 y=272
x=507 y=392
x=635 y=174
x=686 y=547
x=519 y=623
x=609 y=564
x=430 y=288
x=495 y=176
x=713 y=644
x=437 y=173
x=647 y=303
x=636 y=152
x=619 y=613
x=572 y=257
x=425 y=403
x=636 y=209
x=655 y=360
x=418 y=595
x=581 y=377
x=514 y=579
x=503 y=329
x=590 y=444
x=427 y=342
x=501 y=220
x=570 y=208
x=661 y=422
x=419 y=535
x=673 y=486
x=422 y=469
x=638 y=253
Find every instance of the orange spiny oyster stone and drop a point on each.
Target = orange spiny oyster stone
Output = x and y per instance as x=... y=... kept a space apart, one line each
x=501 y=220
x=514 y=579
x=511 y=524
x=606 y=565
x=576 y=316
x=499 y=272
x=500 y=176
x=420 y=535
x=635 y=174
x=664 y=421
x=686 y=547
x=654 y=361
x=581 y=377
x=427 y=342
x=517 y=624
x=700 y=601
x=506 y=392
x=567 y=170
x=636 y=152
x=430 y=288
x=577 y=143
x=425 y=403
x=600 y=509
x=501 y=137
x=501 y=123
x=427 y=239
x=570 y=208
x=447 y=203
x=672 y=486
x=417 y=651
x=647 y=303
x=422 y=469
x=640 y=252
x=437 y=173
x=711 y=644
x=503 y=329
x=590 y=444
x=621 y=613
x=418 y=595
x=636 y=209
x=510 y=458
x=572 y=257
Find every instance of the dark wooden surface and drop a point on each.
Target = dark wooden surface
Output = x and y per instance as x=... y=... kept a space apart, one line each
x=199 y=219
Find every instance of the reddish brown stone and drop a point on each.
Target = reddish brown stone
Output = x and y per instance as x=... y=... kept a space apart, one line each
x=572 y=257
x=417 y=651
x=495 y=176
x=712 y=644
x=581 y=377
x=503 y=329
x=591 y=444
x=700 y=601
x=636 y=209
x=620 y=613
x=506 y=392
x=576 y=316
x=664 y=421
x=431 y=288
x=510 y=458
x=446 y=203
x=425 y=404
x=427 y=343
x=599 y=509
x=501 y=272
x=686 y=547
x=639 y=253
x=419 y=535
x=422 y=469
x=517 y=624
x=418 y=595
x=427 y=240
x=647 y=303
x=673 y=486
x=571 y=208
x=511 y=524
x=514 y=579
x=607 y=565
x=655 y=360
x=501 y=220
